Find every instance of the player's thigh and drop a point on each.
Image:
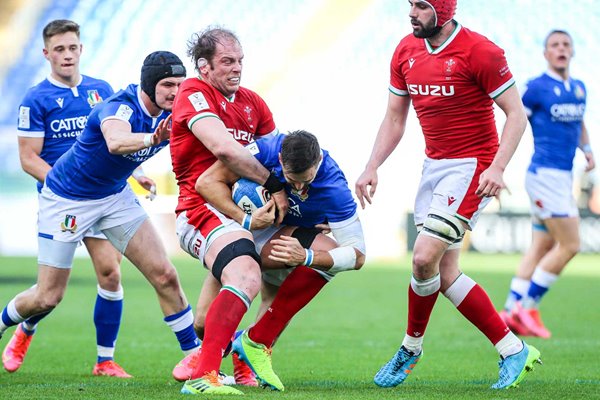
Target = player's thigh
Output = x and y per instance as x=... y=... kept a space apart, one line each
x=241 y=269
x=146 y=251
x=104 y=255
x=565 y=231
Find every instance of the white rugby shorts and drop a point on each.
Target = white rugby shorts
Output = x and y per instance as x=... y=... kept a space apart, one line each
x=449 y=185
x=550 y=193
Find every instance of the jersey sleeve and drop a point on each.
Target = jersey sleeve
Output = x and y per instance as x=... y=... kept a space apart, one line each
x=397 y=81
x=490 y=68
x=266 y=125
x=116 y=110
x=339 y=203
x=107 y=90
x=194 y=105
x=530 y=98
x=31 y=118
x=266 y=150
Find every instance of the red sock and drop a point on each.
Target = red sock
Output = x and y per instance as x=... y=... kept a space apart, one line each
x=419 y=311
x=479 y=310
x=222 y=319
x=298 y=289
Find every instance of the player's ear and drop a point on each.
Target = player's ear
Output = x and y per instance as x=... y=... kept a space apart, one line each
x=280 y=160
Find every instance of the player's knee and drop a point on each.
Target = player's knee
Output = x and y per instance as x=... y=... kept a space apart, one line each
x=166 y=279
x=48 y=301
x=245 y=274
x=423 y=263
x=572 y=247
x=110 y=279
x=241 y=256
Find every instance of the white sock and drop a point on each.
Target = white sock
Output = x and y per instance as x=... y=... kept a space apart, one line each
x=413 y=344
x=509 y=345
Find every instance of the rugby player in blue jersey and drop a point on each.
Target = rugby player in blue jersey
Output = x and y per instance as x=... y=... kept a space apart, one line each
x=555 y=104
x=298 y=259
x=51 y=117
x=86 y=190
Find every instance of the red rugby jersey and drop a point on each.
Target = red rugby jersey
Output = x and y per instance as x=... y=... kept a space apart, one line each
x=452 y=88
x=245 y=116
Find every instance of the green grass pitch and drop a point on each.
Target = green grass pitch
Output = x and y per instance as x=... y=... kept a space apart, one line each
x=330 y=351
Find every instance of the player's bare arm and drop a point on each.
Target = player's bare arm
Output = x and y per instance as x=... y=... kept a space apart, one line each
x=120 y=139
x=584 y=145
x=213 y=134
x=30 y=149
x=491 y=181
x=349 y=254
x=215 y=186
x=390 y=132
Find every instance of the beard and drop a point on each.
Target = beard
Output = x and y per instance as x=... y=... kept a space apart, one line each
x=426 y=31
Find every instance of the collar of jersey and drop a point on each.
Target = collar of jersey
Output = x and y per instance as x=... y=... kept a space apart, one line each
x=557 y=77
x=446 y=43
x=62 y=85
x=141 y=103
x=229 y=99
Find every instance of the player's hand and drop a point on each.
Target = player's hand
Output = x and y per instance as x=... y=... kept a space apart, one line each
x=491 y=182
x=264 y=216
x=325 y=229
x=281 y=202
x=162 y=131
x=287 y=250
x=367 y=178
x=591 y=163
x=148 y=184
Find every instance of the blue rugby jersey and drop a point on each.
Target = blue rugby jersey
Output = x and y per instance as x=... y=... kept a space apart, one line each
x=327 y=199
x=87 y=170
x=58 y=113
x=555 y=109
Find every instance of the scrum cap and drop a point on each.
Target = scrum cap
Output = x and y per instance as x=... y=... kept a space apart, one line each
x=157 y=66
x=444 y=10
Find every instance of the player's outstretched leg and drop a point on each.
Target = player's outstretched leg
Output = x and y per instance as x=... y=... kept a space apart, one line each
x=398 y=368
x=209 y=384
x=258 y=358
x=513 y=368
x=16 y=349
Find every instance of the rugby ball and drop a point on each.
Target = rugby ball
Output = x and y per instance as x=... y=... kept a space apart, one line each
x=249 y=195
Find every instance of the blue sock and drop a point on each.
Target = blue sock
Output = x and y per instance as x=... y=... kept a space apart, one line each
x=10 y=317
x=107 y=318
x=182 y=324
x=30 y=324
x=536 y=292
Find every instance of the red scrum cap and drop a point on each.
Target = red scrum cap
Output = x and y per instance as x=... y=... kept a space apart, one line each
x=444 y=10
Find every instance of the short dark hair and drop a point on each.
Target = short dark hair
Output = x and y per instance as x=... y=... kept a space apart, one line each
x=204 y=44
x=300 y=150
x=554 y=32
x=59 y=26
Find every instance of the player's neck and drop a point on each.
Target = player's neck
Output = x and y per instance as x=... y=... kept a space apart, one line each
x=443 y=35
x=70 y=81
x=152 y=108
x=562 y=72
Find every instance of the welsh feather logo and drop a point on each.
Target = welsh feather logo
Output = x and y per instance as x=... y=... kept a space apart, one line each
x=93 y=98
x=70 y=224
